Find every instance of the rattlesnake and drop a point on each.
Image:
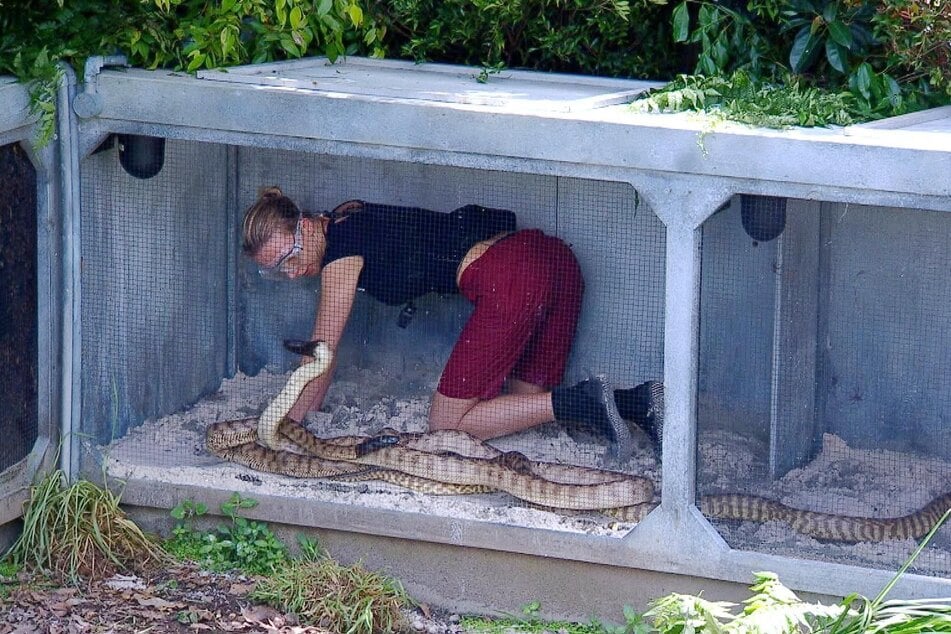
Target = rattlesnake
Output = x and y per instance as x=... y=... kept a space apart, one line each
x=449 y=462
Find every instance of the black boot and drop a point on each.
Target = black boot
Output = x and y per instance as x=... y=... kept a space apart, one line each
x=644 y=406
x=590 y=406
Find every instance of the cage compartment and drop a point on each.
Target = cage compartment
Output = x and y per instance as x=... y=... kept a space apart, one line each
x=832 y=394
x=179 y=332
x=29 y=313
x=18 y=312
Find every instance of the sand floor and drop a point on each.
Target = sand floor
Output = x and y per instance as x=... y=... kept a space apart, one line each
x=839 y=480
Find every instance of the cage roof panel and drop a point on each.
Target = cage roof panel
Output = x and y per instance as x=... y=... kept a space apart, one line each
x=392 y=79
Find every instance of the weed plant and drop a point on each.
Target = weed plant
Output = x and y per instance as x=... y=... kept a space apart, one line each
x=742 y=98
x=531 y=622
x=344 y=599
x=77 y=531
x=242 y=544
x=325 y=593
x=776 y=609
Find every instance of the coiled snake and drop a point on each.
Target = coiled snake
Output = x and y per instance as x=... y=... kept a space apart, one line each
x=456 y=463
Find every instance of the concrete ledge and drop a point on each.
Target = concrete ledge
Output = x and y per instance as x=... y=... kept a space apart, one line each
x=15 y=100
x=677 y=543
x=880 y=161
x=472 y=580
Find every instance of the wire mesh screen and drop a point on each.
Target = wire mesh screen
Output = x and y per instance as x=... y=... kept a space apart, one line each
x=824 y=380
x=517 y=318
x=18 y=305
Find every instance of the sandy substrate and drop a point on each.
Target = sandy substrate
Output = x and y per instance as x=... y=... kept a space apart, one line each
x=839 y=480
x=171 y=450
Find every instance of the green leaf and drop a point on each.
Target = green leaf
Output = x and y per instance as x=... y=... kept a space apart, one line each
x=196 y=62
x=863 y=79
x=324 y=7
x=837 y=55
x=290 y=47
x=356 y=14
x=227 y=41
x=841 y=33
x=893 y=91
x=681 y=22
x=831 y=11
x=296 y=17
x=804 y=50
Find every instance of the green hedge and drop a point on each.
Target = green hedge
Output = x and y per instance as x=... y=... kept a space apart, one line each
x=856 y=59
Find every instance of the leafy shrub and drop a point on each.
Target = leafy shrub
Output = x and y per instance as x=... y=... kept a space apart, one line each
x=916 y=36
x=891 y=55
x=604 y=37
x=173 y=34
x=193 y=34
x=740 y=97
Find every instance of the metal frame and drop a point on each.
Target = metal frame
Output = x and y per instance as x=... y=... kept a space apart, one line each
x=18 y=126
x=685 y=168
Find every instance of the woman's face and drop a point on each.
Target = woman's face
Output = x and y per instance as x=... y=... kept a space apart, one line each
x=285 y=255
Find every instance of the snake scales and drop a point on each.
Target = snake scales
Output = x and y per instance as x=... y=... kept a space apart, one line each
x=456 y=463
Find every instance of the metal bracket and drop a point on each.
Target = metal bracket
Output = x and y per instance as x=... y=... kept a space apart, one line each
x=88 y=103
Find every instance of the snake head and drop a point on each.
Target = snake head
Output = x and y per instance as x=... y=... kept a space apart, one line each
x=302 y=347
x=376 y=443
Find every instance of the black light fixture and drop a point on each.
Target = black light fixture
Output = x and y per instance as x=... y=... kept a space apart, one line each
x=764 y=217
x=141 y=156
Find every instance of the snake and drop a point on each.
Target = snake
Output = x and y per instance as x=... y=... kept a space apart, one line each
x=452 y=462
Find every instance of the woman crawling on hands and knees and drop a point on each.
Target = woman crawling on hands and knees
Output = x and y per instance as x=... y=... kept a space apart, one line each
x=503 y=373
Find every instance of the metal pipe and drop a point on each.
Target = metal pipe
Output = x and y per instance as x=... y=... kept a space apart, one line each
x=96 y=63
x=88 y=103
x=68 y=133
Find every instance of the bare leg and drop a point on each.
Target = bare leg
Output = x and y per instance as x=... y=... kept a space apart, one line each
x=515 y=386
x=499 y=416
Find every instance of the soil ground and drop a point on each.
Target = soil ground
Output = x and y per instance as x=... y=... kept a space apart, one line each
x=178 y=599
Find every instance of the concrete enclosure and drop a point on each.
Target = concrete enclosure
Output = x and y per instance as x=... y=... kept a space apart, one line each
x=791 y=289
x=32 y=302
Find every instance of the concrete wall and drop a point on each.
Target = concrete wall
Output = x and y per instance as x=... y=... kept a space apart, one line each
x=883 y=378
x=154 y=286
x=736 y=326
x=461 y=578
x=886 y=352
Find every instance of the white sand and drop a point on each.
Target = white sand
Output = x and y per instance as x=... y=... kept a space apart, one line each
x=840 y=479
x=171 y=450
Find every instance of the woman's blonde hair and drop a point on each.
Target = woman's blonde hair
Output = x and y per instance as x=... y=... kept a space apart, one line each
x=271 y=212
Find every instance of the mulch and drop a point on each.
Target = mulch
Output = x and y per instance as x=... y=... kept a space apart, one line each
x=173 y=600
x=181 y=598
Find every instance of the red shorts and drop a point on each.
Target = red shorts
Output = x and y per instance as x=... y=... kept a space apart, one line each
x=527 y=292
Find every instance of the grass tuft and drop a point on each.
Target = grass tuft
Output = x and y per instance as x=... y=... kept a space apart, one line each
x=344 y=599
x=78 y=531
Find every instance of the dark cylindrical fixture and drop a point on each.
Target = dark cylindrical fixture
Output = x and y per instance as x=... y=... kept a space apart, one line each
x=764 y=217
x=141 y=156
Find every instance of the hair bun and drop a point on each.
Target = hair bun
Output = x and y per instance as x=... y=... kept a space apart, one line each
x=271 y=192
